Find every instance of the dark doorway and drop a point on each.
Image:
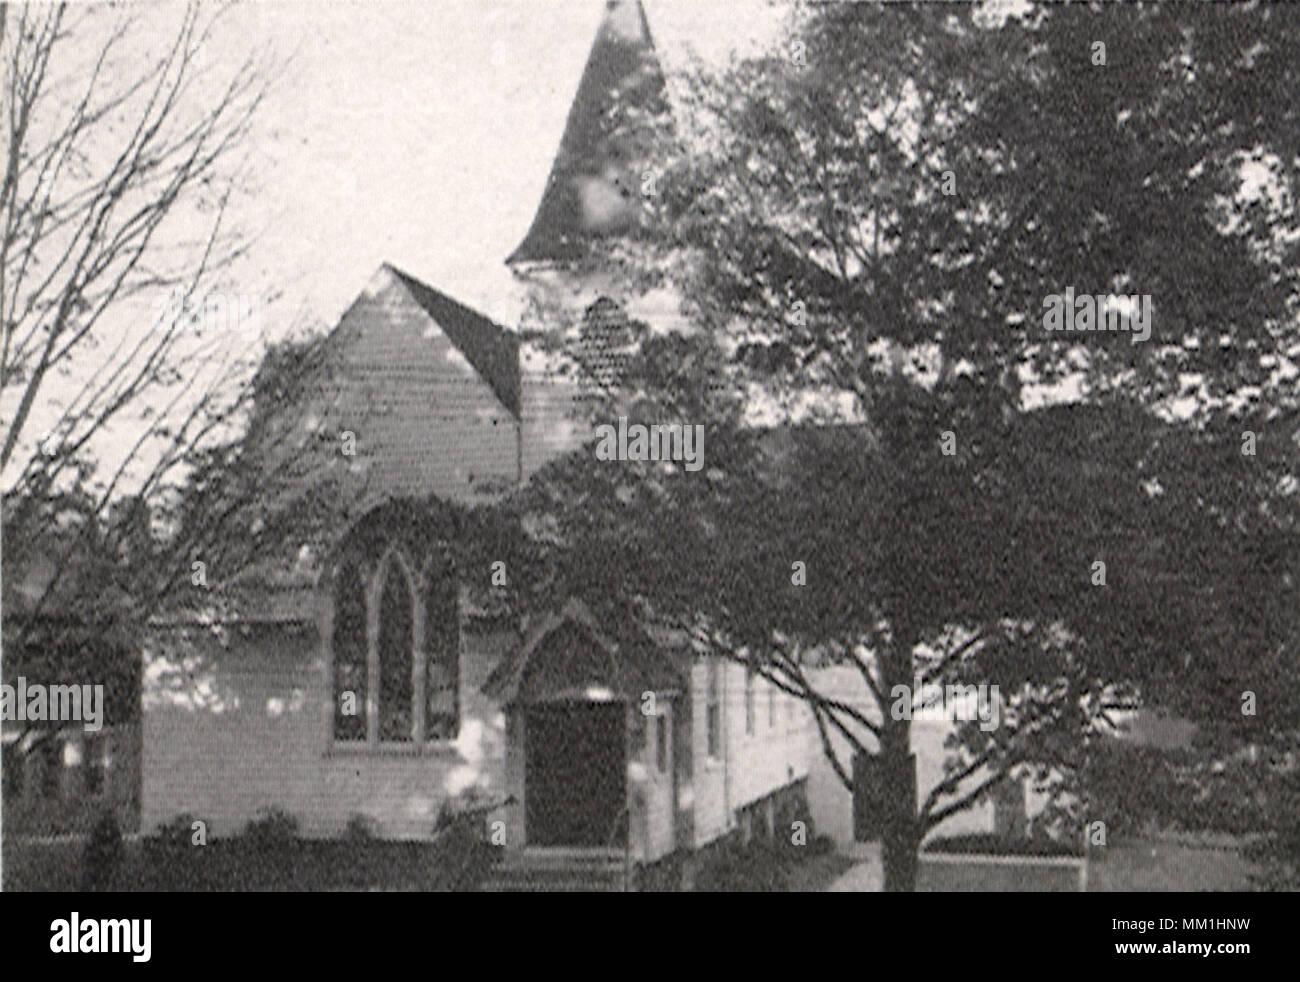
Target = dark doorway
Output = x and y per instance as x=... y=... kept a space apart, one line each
x=574 y=774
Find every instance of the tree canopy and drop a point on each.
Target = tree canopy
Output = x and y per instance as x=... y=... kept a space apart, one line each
x=866 y=236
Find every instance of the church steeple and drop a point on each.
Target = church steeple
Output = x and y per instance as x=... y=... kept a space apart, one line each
x=595 y=185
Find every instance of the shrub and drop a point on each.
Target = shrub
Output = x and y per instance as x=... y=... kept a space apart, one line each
x=1135 y=790
x=993 y=844
x=102 y=860
x=790 y=810
x=170 y=854
x=464 y=854
x=1235 y=799
x=447 y=816
x=810 y=843
x=270 y=836
x=361 y=828
x=1278 y=853
x=755 y=868
x=175 y=834
x=821 y=845
x=271 y=830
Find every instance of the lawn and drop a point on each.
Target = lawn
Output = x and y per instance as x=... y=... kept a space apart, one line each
x=1145 y=865
x=989 y=863
x=1135 y=865
x=978 y=877
x=768 y=867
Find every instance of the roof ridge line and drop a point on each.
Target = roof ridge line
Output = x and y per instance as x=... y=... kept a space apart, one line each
x=493 y=363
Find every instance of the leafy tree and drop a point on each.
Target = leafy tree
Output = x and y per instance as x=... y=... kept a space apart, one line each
x=878 y=224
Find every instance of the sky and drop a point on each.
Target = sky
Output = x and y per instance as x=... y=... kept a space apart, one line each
x=422 y=134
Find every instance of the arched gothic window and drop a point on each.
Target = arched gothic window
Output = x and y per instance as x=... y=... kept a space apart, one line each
x=396 y=650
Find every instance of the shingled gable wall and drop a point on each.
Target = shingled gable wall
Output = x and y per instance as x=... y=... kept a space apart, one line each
x=426 y=421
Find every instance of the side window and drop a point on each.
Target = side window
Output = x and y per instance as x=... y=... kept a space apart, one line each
x=713 y=711
x=749 y=701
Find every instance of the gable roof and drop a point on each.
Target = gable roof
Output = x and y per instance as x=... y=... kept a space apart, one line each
x=622 y=663
x=587 y=193
x=490 y=348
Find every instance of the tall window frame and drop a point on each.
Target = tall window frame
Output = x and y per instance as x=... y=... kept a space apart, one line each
x=712 y=711
x=750 y=713
x=401 y=658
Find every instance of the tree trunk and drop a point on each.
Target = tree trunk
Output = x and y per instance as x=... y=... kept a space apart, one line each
x=900 y=839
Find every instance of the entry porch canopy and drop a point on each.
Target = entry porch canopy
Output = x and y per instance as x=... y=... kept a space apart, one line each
x=570 y=657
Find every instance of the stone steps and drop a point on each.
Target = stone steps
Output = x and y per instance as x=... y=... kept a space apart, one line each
x=558 y=871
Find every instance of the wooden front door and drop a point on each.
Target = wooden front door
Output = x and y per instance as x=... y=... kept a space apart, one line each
x=575 y=774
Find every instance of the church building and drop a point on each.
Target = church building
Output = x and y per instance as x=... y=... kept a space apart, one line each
x=359 y=684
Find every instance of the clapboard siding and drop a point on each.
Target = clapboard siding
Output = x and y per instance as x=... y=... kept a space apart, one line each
x=231 y=729
x=750 y=766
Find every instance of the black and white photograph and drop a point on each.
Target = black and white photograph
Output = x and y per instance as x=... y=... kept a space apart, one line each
x=651 y=446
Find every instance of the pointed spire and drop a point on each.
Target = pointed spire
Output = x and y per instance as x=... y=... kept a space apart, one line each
x=595 y=183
